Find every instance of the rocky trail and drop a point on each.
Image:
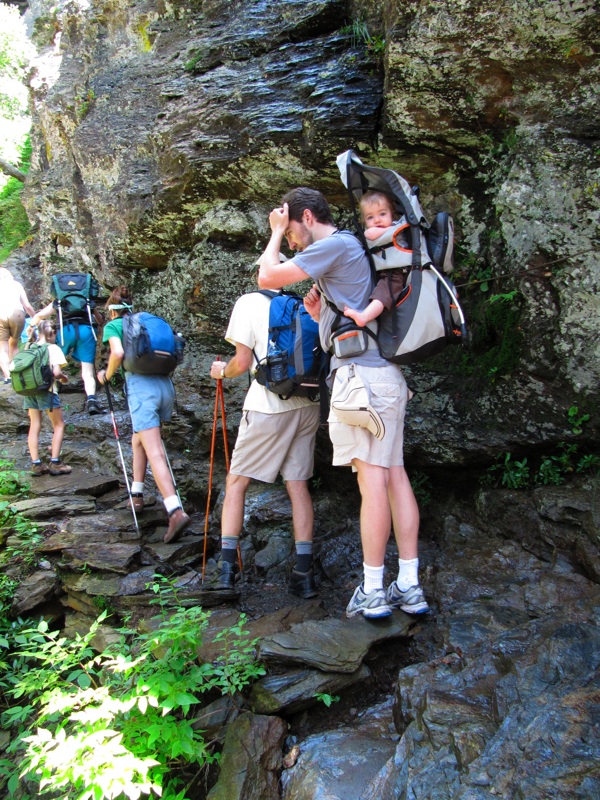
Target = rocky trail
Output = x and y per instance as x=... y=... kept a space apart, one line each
x=495 y=693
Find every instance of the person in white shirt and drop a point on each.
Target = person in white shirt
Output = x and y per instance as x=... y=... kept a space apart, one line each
x=275 y=437
x=13 y=305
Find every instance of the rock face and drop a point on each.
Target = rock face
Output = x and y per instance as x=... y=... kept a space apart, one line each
x=163 y=135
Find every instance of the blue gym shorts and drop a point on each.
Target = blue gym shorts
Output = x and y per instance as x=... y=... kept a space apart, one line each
x=41 y=401
x=151 y=399
x=81 y=347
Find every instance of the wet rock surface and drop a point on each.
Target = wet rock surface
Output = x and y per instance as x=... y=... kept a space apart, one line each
x=494 y=693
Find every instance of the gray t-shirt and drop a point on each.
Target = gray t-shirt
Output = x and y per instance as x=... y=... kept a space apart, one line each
x=340 y=267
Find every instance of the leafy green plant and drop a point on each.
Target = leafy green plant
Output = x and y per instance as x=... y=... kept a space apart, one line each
x=511 y=473
x=7 y=590
x=14 y=222
x=550 y=472
x=503 y=298
x=588 y=462
x=84 y=103
x=26 y=539
x=13 y=482
x=327 y=699
x=576 y=419
x=358 y=30
x=120 y=724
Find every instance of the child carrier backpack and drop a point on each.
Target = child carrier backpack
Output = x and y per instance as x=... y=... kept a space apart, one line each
x=295 y=364
x=75 y=296
x=427 y=315
x=31 y=372
x=151 y=347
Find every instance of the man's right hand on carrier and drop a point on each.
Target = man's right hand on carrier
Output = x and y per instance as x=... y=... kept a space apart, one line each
x=312 y=302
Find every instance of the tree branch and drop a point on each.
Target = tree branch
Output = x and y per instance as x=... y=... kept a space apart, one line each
x=9 y=169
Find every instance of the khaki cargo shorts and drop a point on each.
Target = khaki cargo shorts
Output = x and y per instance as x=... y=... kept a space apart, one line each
x=270 y=444
x=13 y=326
x=388 y=396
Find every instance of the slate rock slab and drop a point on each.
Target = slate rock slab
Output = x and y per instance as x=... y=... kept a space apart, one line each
x=76 y=483
x=186 y=548
x=333 y=645
x=110 y=557
x=40 y=587
x=55 y=506
x=294 y=691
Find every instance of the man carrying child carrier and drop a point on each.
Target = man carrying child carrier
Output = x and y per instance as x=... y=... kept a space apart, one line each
x=337 y=263
x=276 y=436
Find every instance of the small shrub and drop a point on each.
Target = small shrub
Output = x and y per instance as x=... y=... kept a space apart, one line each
x=120 y=724
x=510 y=473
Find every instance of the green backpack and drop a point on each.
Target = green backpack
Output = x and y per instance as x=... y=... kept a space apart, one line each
x=31 y=372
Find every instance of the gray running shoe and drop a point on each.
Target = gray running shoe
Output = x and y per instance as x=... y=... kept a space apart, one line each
x=371 y=606
x=412 y=601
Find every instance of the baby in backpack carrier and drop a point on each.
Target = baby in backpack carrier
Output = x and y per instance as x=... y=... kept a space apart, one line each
x=48 y=401
x=377 y=210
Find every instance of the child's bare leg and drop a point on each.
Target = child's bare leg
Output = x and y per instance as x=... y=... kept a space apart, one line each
x=371 y=312
x=58 y=424
x=33 y=437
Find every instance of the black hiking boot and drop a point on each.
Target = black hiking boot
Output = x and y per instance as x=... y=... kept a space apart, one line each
x=93 y=406
x=226 y=580
x=302 y=584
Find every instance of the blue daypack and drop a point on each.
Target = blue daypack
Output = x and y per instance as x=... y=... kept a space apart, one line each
x=295 y=364
x=151 y=347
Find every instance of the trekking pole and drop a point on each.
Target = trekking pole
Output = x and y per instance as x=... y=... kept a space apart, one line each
x=223 y=424
x=116 y=430
x=219 y=401
x=171 y=471
x=226 y=449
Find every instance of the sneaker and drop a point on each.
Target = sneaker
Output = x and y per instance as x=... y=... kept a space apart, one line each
x=39 y=469
x=7 y=381
x=137 y=501
x=58 y=468
x=93 y=406
x=411 y=601
x=302 y=584
x=371 y=606
x=178 y=522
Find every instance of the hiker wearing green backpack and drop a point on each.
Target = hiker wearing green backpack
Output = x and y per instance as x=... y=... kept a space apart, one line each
x=46 y=400
x=368 y=399
x=150 y=398
x=13 y=305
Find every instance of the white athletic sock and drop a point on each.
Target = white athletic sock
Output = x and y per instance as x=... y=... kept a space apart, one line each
x=171 y=503
x=137 y=487
x=373 y=578
x=408 y=573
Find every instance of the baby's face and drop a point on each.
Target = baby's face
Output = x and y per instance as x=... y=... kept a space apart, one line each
x=377 y=214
